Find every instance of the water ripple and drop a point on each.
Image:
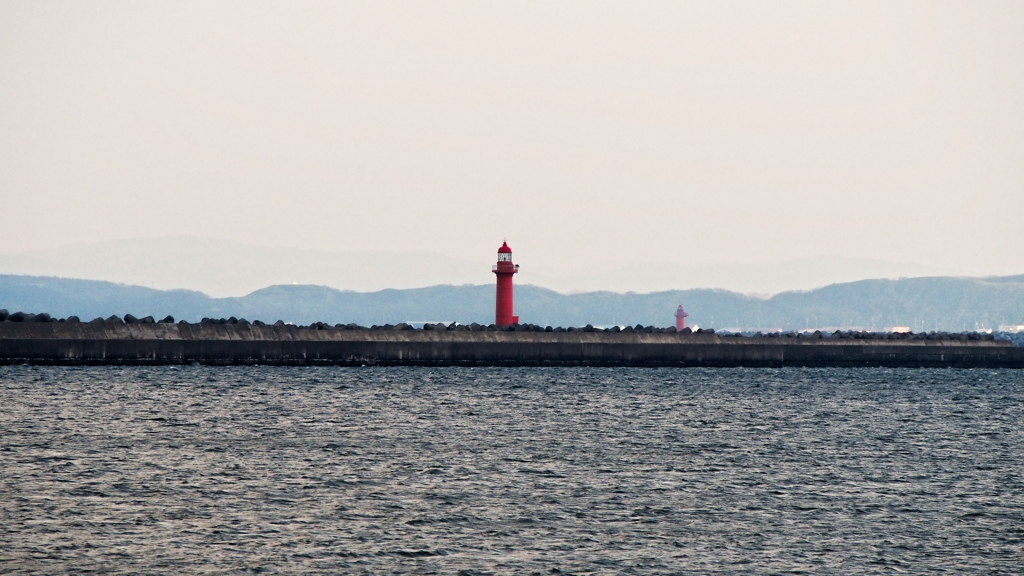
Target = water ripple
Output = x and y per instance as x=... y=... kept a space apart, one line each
x=492 y=471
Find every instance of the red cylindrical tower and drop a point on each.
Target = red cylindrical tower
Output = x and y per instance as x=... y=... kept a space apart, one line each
x=680 y=318
x=504 y=270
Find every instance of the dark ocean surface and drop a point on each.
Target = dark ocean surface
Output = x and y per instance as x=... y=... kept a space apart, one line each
x=491 y=471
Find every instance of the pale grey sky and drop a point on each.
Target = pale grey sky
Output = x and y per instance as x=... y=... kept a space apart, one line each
x=586 y=133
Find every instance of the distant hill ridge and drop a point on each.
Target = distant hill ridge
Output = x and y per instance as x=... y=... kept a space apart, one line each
x=935 y=303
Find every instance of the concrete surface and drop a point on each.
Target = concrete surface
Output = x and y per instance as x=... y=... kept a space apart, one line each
x=243 y=344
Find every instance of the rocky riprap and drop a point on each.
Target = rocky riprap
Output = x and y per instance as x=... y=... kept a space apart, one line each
x=1017 y=339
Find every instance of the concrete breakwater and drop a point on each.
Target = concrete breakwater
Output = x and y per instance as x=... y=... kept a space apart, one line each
x=212 y=343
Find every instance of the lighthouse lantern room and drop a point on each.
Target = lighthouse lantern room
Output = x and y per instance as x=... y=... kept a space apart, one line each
x=504 y=270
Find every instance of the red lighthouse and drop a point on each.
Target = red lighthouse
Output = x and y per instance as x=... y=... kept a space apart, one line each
x=504 y=270
x=680 y=318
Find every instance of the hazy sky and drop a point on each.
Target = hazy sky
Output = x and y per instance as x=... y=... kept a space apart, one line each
x=584 y=132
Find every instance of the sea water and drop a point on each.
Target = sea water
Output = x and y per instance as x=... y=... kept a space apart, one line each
x=491 y=471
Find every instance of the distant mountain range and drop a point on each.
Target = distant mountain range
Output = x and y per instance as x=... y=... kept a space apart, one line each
x=221 y=268
x=936 y=303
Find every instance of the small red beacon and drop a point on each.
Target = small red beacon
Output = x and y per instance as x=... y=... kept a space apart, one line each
x=680 y=318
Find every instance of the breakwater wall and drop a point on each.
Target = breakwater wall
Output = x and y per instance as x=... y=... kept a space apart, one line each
x=67 y=343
